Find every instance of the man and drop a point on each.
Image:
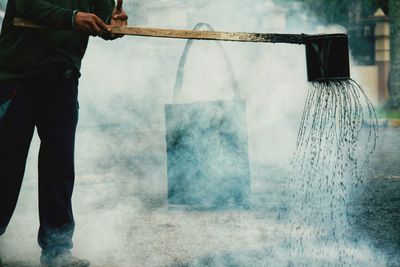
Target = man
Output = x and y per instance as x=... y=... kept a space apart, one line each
x=39 y=71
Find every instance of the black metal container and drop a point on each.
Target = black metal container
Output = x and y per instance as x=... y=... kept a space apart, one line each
x=327 y=57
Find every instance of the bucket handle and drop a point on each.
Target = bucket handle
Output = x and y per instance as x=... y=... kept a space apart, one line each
x=182 y=62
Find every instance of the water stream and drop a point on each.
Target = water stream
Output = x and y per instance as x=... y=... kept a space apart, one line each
x=338 y=124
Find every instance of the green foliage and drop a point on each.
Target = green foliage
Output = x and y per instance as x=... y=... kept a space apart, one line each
x=387 y=113
x=339 y=11
x=334 y=11
x=394 y=84
x=384 y=4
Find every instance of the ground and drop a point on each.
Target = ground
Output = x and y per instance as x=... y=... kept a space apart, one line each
x=123 y=218
x=376 y=204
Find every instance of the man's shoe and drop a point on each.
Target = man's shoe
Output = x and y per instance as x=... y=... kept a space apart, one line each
x=64 y=259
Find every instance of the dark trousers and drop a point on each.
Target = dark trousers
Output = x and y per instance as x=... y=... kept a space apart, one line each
x=49 y=103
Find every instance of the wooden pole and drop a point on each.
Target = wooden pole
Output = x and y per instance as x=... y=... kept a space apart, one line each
x=188 y=34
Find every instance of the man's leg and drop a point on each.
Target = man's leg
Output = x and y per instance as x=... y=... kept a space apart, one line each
x=56 y=124
x=16 y=130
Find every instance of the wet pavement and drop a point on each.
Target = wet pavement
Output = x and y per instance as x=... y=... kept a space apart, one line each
x=375 y=205
x=123 y=218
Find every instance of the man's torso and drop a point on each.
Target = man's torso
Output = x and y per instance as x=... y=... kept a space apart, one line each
x=24 y=52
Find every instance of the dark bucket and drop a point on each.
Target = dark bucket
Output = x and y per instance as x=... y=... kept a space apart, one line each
x=327 y=57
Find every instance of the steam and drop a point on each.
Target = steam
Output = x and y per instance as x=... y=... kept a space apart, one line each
x=120 y=199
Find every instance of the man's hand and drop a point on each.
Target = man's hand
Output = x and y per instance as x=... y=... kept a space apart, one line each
x=90 y=24
x=118 y=18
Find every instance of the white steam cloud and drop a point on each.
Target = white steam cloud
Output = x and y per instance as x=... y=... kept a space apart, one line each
x=120 y=199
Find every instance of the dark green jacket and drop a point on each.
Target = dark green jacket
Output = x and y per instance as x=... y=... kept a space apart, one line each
x=24 y=52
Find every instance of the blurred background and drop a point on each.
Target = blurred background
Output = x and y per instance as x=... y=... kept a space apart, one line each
x=372 y=26
x=120 y=198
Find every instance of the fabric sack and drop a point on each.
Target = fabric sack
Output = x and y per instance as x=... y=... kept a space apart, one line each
x=207 y=147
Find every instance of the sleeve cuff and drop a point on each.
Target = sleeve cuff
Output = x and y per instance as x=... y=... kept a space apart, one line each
x=73 y=18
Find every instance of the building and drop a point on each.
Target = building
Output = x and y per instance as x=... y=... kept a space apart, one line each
x=372 y=55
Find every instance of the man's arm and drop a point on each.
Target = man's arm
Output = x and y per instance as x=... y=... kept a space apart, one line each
x=103 y=9
x=57 y=17
x=53 y=16
x=45 y=13
x=118 y=17
x=108 y=12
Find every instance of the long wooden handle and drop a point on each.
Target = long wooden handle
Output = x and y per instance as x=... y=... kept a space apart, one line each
x=187 y=34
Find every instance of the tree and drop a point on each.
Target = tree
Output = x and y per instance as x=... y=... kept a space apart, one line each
x=394 y=81
x=347 y=13
x=343 y=12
